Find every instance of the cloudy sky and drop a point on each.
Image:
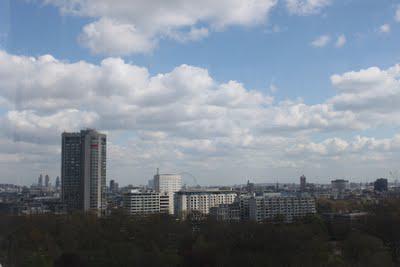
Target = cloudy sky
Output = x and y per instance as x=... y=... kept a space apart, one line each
x=226 y=90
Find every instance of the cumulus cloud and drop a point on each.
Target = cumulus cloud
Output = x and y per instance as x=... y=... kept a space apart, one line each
x=341 y=41
x=184 y=118
x=385 y=28
x=368 y=90
x=321 y=41
x=397 y=15
x=306 y=7
x=143 y=23
x=107 y=36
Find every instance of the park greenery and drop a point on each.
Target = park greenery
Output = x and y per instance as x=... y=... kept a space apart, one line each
x=120 y=240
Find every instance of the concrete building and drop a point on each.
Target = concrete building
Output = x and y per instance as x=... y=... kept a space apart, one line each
x=226 y=212
x=168 y=184
x=187 y=202
x=141 y=203
x=381 y=185
x=269 y=206
x=303 y=183
x=47 y=181
x=58 y=183
x=243 y=201
x=40 y=180
x=339 y=187
x=165 y=203
x=113 y=186
x=83 y=170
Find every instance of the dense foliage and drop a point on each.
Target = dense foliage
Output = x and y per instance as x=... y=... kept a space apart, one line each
x=119 y=240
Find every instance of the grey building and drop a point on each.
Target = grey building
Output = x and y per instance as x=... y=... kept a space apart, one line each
x=270 y=206
x=226 y=212
x=167 y=184
x=381 y=185
x=200 y=201
x=47 y=181
x=141 y=203
x=303 y=183
x=83 y=170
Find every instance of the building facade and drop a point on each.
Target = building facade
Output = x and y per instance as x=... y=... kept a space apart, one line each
x=187 y=202
x=168 y=184
x=303 y=183
x=381 y=185
x=269 y=207
x=141 y=203
x=226 y=212
x=83 y=170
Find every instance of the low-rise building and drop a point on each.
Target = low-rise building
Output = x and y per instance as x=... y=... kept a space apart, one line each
x=187 y=202
x=226 y=212
x=269 y=207
x=142 y=203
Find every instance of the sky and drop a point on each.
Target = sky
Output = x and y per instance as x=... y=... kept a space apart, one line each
x=228 y=90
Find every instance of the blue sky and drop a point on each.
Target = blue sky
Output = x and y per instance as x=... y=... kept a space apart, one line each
x=274 y=51
x=253 y=55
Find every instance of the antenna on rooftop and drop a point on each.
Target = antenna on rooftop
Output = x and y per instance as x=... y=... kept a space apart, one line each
x=158 y=171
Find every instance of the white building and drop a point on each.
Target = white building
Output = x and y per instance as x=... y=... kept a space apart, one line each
x=168 y=184
x=136 y=202
x=201 y=201
x=268 y=207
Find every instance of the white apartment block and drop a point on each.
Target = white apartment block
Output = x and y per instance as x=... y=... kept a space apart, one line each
x=268 y=207
x=201 y=201
x=136 y=202
x=168 y=184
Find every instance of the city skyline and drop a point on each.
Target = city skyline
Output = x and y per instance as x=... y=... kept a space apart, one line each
x=226 y=91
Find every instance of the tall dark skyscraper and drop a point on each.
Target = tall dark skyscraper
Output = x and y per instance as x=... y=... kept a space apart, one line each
x=83 y=170
x=40 y=181
x=58 y=182
x=47 y=181
x=303 y=182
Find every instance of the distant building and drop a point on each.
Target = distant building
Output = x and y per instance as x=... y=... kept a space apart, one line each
x=165 y=203
x=141 y=203
x=269 y=207
x=113 y=186
x=47 y=181
x=187 y=202
x=226 y=212
x=83 y=170
x=168 y=184
x=339 y=185
x=112 y=182
x=243 y=201
x=150 y=184
x=381 y=185
x=58 y=182
x=303 y=183
x=40 y=180
x=250 y=187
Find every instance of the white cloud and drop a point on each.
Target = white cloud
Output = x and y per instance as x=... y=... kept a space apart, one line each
x=321 y=41
x=385 y=28
x=185 y=119
x=143 y=23
x=306 y=7
x=397 y=15
x=107 y=36
x=341 y=41
x=194 y=34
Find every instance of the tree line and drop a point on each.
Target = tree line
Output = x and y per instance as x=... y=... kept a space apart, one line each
x=120 y=240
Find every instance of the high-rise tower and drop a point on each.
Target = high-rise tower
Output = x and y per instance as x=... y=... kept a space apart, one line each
x=168 y=184
x=83 y=170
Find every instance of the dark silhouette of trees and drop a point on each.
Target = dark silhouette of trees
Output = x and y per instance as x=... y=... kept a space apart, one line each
x=160 y=240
